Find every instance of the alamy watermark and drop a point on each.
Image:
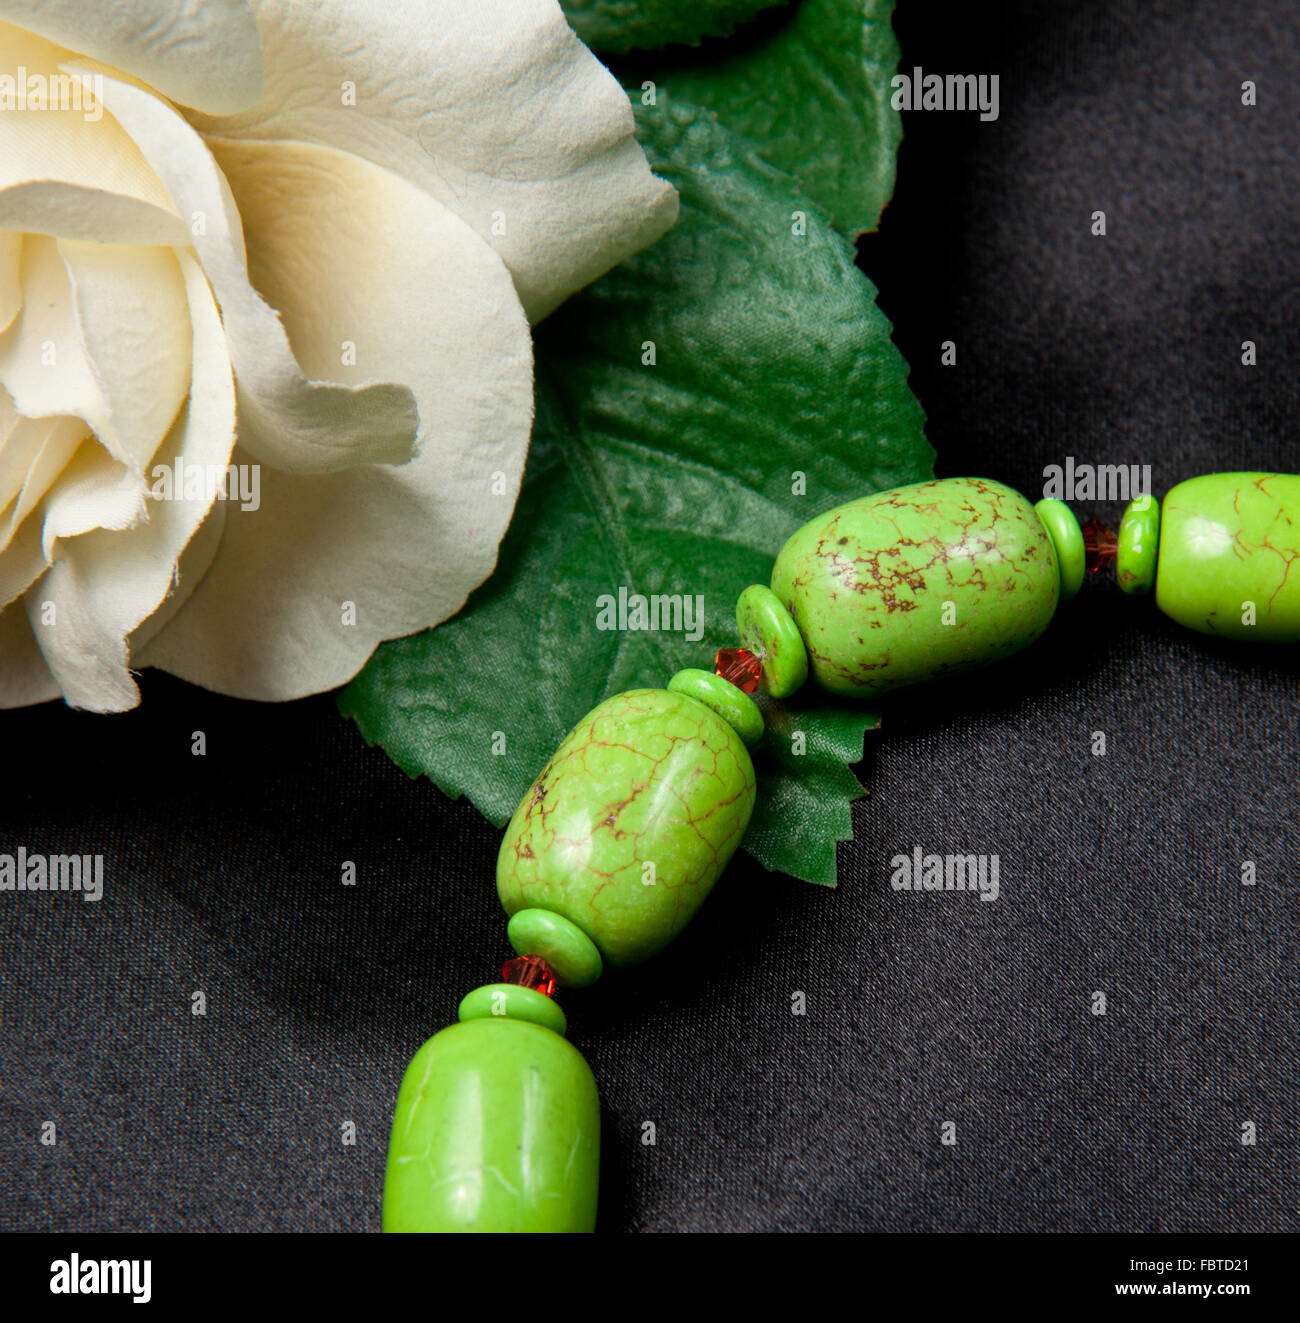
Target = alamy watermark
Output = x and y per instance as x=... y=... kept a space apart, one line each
x=207 y=482
x=25 y=91
x=923 y=91
x=21 y=871
x=77 y=1276
x=919 y=871
x=678 y=613
x=1072 y=481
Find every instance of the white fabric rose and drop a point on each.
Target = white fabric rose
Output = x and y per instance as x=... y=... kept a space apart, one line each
x=304 y=238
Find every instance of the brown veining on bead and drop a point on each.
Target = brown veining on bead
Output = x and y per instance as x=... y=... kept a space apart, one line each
x=649 y=777
x=865 y=571
x=1206 y=595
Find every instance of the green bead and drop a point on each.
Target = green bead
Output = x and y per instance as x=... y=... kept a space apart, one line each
x=1067 y=539
x=733 y=705
x=629 y=825
x=1229 y=543
x=766 y=629
x=921 y=581
x=497 y=1128
x=511 y=1002
x=565 y=947
x=1139 y=539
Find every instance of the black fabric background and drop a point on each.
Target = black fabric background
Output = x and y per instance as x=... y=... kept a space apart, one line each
x=1119 y=874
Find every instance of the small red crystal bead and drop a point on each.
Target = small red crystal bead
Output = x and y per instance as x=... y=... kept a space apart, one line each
x=740 y=667
x=1100 y=545
x=530 y=971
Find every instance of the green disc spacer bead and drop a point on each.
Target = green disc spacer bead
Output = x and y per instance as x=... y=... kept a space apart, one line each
x=563 y=945
x=768 y=630
x=1067 y=538
x=733 y=705
x=1139 y=541
x=509 y=1001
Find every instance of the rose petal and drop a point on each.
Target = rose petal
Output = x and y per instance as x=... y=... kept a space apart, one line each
x=22 y=563
x=133 y=326
x=21 y=442
x=285 y=419
x=42 y=363
x=87 y=213
x=16 y=450
x=131 y=319
x=11 y=288
x=495 y=107
x=64 y=146
x=104 y=584
x=198 y=555
x=206 y=55
x=72 y=485
x=42 y=449
x=66 y=174
x=24 y=676
x=93 y=492
x=405 y=545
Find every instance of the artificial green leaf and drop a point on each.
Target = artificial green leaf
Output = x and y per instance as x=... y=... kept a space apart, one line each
x=809 y=86
x=805 y=786
x=615 y=26
x=695 y=407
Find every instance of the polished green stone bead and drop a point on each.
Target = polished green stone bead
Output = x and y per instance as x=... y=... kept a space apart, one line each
x=512 y=1002
x=1229 y=543
x=1067 y=539
x=733 y=705
x=629 y=825
x=563 y=945
x=766 y=628
x=920 y=581
x=497 y=1128
x=1138 y=541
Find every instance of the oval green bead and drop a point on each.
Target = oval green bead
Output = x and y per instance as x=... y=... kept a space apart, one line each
x=1138 y=543
x=1067 y=540
x=1229 y=543
x=767 y=629
x=920 y=581
x=630 y=823
x=510 y=1001
x=497 y=1128
x=733 y=705
x=563 y=945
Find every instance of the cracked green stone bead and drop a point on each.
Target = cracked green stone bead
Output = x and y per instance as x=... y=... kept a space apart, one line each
x=767 y=629
x=733 y=705
x=497 y=1128
x=630 y=823
x=897 y=588
x=1229 y=546
x=1136 y=544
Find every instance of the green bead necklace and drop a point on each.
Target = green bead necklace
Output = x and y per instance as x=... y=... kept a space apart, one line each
x=628 y=826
